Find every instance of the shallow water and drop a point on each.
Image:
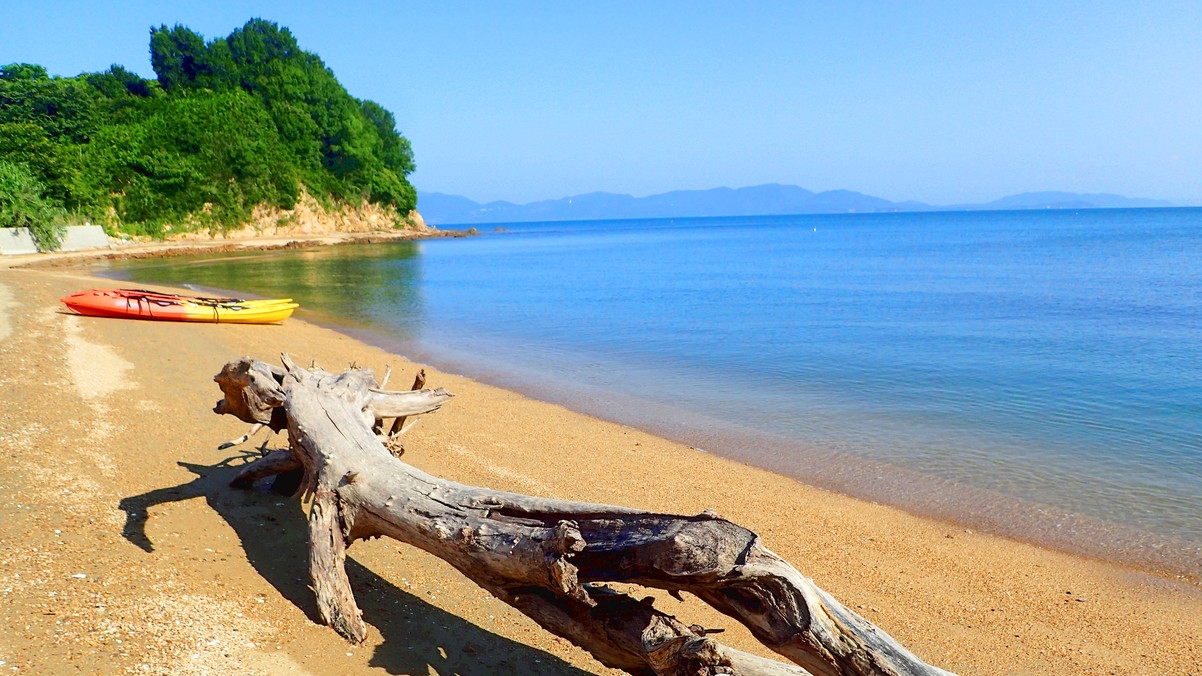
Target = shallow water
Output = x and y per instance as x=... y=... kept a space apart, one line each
x=1034 y=373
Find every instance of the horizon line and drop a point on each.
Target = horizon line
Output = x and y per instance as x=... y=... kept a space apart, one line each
x=474 y=224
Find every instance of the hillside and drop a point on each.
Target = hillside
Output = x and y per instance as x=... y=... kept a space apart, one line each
x=250 y=120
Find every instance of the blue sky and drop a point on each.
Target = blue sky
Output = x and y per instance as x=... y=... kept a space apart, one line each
x=940 y=102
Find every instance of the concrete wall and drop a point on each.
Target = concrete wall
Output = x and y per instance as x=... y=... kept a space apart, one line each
x=82 y=237
x=16 y=241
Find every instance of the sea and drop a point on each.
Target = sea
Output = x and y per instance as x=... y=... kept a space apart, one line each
x=1036 y=374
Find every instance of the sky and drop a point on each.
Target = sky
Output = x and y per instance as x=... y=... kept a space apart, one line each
x=939 y=102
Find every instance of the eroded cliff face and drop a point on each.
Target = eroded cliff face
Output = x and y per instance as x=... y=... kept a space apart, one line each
x=309 y=217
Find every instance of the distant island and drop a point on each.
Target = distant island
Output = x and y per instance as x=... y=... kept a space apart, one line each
x=761 y=200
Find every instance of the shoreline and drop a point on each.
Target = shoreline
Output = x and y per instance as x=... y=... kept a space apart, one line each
x=955 y=503
x=945 y=500
x=201 y=245
x=966 y=601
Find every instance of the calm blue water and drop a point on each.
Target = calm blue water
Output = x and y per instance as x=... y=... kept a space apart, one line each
x=1034 y=373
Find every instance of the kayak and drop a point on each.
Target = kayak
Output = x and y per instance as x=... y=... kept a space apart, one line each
x=141 y=304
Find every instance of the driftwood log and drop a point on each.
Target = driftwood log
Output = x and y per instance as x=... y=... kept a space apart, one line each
x=550 y=559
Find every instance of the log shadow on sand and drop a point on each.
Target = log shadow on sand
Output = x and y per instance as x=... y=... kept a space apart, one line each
x=273 y=533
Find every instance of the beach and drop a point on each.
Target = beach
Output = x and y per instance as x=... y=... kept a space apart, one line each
x=125 y=550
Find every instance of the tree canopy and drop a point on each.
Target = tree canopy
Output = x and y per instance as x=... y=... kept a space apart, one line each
x=227 y=125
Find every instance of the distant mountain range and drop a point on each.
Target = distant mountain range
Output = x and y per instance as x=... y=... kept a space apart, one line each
x=760 y=200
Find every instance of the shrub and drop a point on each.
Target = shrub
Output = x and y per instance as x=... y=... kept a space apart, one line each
x=23 y=204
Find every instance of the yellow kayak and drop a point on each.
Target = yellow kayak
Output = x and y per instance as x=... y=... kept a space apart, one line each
x=139 y=304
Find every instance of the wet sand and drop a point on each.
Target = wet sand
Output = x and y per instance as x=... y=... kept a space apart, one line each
x=123 y=546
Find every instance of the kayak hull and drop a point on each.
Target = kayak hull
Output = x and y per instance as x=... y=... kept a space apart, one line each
x=128 y=304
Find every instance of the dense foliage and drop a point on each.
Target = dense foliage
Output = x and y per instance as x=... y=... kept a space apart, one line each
x=229 y=124
x=23 y=204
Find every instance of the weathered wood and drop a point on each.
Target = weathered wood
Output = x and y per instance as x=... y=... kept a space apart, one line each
x=401 y=404
x=254 y=394
x=252 y=391
x=242 y=439
x=419 y=382
x=551 y=558
x=275 y=462
x=327 y=568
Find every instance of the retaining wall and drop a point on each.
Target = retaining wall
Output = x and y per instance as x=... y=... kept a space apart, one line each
x=16 y=241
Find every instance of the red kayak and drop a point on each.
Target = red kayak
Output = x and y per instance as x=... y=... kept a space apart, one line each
x=141 y=304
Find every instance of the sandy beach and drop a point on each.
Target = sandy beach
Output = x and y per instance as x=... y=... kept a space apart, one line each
x=124 y=550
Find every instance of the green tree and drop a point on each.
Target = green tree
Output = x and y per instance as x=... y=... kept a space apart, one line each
x=117 y=83
x=212 y=153
x=23 y=71
x=394 y=149
x=65 y=108
x=23 y=204
x=226 y=125
x=182 y=60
